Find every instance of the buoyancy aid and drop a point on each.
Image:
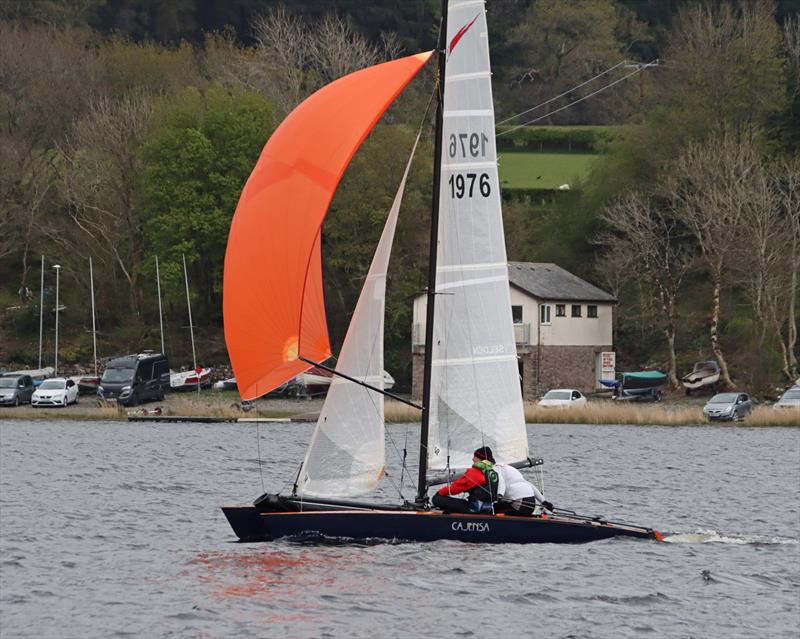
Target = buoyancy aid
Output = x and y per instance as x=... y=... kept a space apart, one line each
x=486 y=492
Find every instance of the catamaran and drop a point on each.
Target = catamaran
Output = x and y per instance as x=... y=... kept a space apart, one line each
x=471 y=392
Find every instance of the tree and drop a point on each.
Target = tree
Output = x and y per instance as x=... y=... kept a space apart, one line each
x=45 y=77
x=101 y=181
x=558 y=45
x=784 y=130
x=292 y=57
x=783 y=282
x=647 y=239
x=197 y=159
x=714 y=192
x=722 y=63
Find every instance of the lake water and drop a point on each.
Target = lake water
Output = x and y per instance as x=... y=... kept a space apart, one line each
x=113 y=529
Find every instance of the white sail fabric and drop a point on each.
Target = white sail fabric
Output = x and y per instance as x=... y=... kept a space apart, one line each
x=346 y=455
x=476 y=398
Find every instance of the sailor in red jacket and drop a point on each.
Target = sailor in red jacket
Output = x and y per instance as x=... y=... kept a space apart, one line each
x=480 y=482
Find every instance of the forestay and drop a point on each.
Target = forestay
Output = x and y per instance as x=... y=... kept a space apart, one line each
x=346 y=456
x=475 y=389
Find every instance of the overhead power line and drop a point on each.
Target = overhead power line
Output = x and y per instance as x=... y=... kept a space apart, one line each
x=561 y=95
x=639 y=68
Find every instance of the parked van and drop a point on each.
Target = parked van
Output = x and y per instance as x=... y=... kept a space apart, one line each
x=133 y=379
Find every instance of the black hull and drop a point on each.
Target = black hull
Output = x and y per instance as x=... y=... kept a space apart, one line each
x=412 y=525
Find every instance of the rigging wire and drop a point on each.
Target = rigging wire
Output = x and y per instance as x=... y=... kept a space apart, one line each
x=561 y=95
x=403 y=457
x=258 y=449
x=579 y=100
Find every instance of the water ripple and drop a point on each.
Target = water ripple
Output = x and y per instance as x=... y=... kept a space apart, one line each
x=113 y=530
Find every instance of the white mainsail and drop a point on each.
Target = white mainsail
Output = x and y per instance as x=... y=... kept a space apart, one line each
x=346 y=456
x=476 y=398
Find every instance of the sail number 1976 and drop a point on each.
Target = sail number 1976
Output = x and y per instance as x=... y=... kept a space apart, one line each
x=467 y=184
x=468 y=145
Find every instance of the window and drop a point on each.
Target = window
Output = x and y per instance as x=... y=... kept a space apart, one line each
x=160 y=369
x=576 y=310
x=561 y=310
x=145 y=371
x=516 y=314
x=591 y=310
x=544 y=313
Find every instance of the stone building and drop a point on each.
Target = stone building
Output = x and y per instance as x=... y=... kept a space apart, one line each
x=562 y=327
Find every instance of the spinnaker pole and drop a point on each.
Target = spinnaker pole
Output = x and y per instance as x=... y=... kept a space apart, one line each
x=422 y=482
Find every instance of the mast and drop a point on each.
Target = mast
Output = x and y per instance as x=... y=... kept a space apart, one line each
x=160 y=313
x=57 y=267
x=191 y=327
x=41 y=313
x=422 y=487
x=94 y=322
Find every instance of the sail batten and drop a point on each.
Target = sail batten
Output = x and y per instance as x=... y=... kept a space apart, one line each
x=273 y=302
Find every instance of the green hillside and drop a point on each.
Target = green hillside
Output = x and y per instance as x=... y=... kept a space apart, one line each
x=529 y=170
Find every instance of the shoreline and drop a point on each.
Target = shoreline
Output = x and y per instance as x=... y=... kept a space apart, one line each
x=225 y=406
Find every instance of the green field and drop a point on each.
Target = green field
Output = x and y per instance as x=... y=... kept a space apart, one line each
x=528 y=170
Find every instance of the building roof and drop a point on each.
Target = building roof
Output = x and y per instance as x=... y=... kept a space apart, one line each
x=551 y=282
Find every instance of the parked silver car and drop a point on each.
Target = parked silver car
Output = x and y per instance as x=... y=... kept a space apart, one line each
x=15 y=389
x=728 y=406
x=790 y=399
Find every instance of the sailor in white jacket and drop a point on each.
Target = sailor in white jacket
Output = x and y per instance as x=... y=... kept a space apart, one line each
x=519 y=496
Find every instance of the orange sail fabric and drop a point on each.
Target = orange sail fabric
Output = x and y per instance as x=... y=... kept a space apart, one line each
x=272 y=298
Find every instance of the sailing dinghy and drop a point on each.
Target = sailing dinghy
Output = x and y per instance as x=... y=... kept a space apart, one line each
x=471 y=394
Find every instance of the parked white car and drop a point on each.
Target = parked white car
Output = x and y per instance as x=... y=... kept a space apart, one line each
x=562 y=398
x=56 y=391
x=790 y=399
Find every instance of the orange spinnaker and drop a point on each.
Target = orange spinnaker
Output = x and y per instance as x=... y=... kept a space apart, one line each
x=272 y=298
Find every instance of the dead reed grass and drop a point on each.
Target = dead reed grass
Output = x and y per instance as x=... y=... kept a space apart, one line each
x=86 y=410
x=769 y=416
x=227 y=406
x=224 y=407
x=614 y=413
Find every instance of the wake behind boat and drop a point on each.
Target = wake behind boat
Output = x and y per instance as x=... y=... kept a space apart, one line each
x=471 y=391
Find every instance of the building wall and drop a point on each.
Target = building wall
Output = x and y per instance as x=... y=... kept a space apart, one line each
x=543 y=369
x=562 y=331
x=563 y=354
x=548 y=367
x=417 y=364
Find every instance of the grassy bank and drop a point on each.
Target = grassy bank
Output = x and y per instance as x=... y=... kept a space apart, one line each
x=528 y=170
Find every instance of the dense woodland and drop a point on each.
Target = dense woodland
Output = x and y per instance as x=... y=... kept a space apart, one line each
x=128 y=128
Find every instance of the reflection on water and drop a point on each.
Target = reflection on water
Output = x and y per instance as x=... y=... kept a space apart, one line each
x=113 y=529
x=259 y=574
